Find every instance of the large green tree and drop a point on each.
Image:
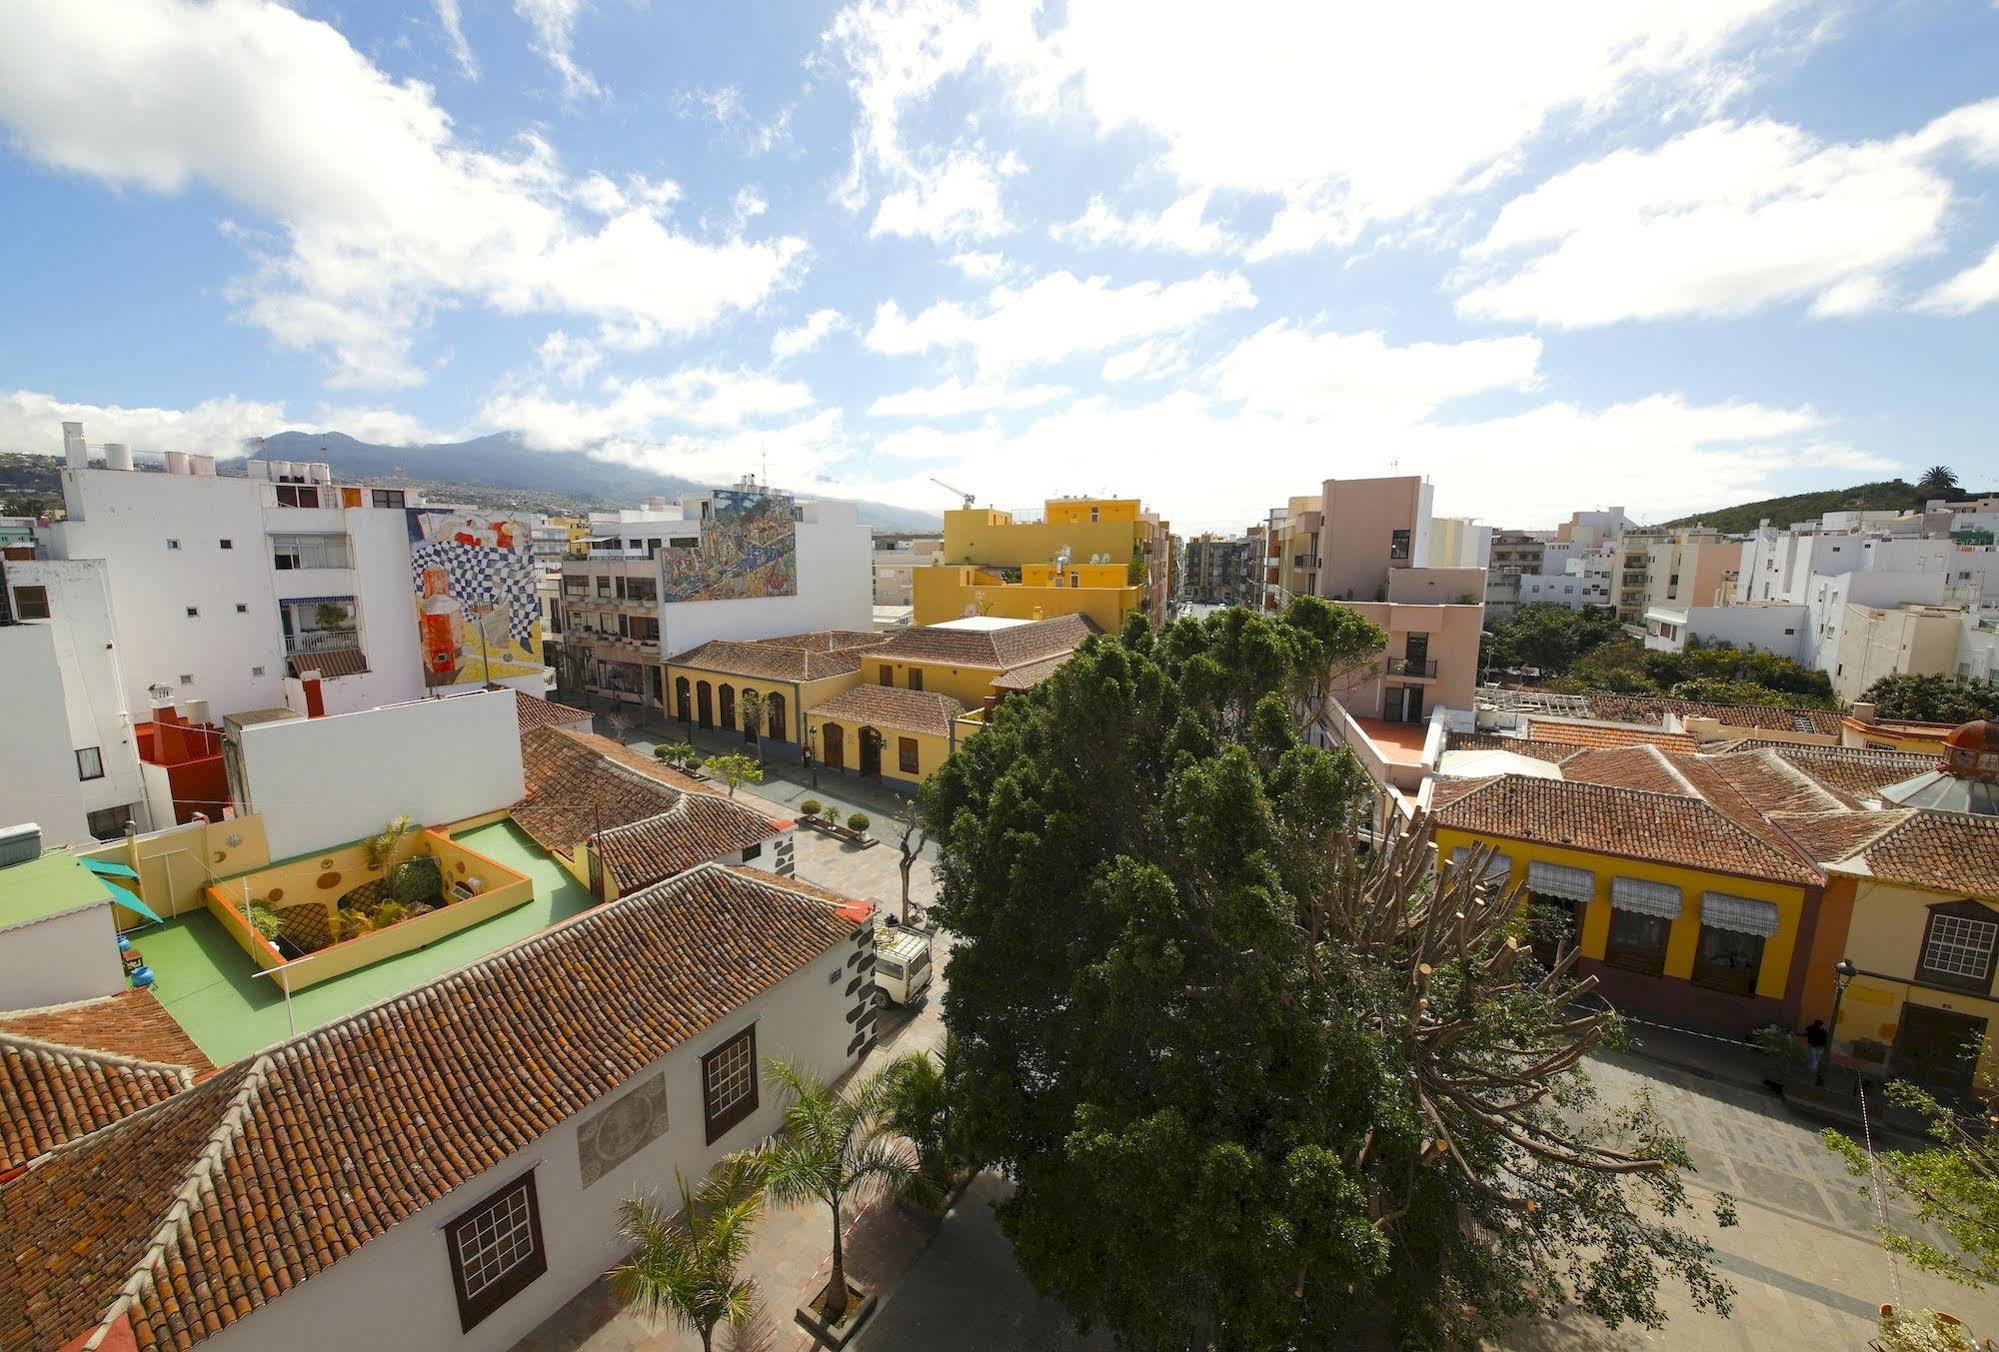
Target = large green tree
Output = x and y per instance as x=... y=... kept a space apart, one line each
x=1933 y=699
x=1257 y=1089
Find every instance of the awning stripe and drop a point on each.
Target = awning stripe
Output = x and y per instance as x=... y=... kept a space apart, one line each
x=130 y=901
x=1645 y=897
x=1745 y=915
x=106 y=868
x=1559 y=880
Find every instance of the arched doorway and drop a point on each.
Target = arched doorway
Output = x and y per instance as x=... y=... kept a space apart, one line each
x=774 y=708
x=704 y=698
x=729 y=706
x=833 y=741
x=683 y=699
x=871 y=753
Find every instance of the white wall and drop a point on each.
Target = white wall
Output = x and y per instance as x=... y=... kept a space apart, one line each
x=395 y=1292
x=89 y=649
x=327 y=781
x=835 y=589
x=1781 y=629
x=72 y=956
x=38 y=780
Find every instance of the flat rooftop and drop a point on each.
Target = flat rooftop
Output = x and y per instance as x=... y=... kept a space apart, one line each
x=210 y=986
x=1401 y=743
x=980 y=623
x=51 y=885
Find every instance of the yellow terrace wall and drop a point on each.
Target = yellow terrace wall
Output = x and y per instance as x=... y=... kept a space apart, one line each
x=174 y=865
x=968 y=685
x=1684 y=937
x=1884 y=939
x=1076 y=511
x=942 y=594
x=994 y=540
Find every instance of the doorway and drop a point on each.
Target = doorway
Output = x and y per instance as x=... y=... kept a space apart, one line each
x=729 y=707
x=1403 y=704
x=835 y=743
x=871 y=753
x=1930 y=1045
x=704 y=699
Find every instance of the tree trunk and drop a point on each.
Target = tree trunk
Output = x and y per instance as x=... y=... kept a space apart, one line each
x=836 y=1287
x=907 y=861
x=708 y=1339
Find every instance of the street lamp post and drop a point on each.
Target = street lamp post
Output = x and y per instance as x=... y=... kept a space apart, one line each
x=1843 y=973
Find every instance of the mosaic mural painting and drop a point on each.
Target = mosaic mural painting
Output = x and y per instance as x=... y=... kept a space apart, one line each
x=749 y=548
x=478 y=618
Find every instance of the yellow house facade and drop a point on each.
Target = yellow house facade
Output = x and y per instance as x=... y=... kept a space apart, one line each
x=1103 y=557
x=706 y=687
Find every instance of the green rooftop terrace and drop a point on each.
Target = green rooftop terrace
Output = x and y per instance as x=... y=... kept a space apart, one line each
x=55 y=883
x=211 y=988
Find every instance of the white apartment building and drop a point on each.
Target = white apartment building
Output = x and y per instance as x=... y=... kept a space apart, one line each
x=42 y=772
x=1458 y=542
x=896 y=559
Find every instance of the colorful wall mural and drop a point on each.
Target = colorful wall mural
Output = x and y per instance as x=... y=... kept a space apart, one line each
x=749 y=548
x=477 y=614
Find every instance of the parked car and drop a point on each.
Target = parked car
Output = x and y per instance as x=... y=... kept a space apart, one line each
x=902 y=964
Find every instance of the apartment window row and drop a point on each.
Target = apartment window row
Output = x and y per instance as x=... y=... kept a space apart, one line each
x=290 y=553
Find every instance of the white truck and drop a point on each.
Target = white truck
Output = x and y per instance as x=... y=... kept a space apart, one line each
x=902 y=964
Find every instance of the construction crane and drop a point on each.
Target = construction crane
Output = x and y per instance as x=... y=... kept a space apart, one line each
x=969 y=499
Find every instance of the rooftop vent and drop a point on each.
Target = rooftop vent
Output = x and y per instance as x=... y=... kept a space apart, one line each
x=19 y=844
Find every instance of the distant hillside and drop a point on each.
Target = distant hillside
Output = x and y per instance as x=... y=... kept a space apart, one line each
x=1892 y=494
x=502 y=462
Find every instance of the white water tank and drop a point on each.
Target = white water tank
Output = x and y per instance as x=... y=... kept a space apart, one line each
x=177 y=462
x=320 y=472
x=117 y=455
x=75 y=454
x=257 y=469
x=283 y=470
x=203 y=466
x=198 y=711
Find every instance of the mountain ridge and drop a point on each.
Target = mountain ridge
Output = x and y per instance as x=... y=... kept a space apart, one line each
x=1884 y=495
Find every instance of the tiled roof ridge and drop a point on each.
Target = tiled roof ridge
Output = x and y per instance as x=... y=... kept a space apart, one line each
x=1786 y=822
x=34 y=1046
x=1666 y=762
x=1769 y=756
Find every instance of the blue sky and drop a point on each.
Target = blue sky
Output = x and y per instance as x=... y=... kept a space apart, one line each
x=1555 y=256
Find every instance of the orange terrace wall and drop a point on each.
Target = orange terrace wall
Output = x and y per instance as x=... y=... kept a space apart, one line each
x=323 y=878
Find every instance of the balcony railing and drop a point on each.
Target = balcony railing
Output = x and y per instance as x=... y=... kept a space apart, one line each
x=1412 y=666
x=322 y=641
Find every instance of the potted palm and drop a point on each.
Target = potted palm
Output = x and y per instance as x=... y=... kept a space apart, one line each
x=837 y=1149
x=684 y=1266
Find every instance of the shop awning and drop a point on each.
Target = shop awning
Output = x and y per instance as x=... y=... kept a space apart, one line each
x=104 y=868
x=1559 y=880
x=1646 y=897
x=1497 y=869
x=1745 y=915
x=130 y=901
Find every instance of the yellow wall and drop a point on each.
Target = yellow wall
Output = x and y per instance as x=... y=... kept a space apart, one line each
x=942 y=594
x=797 y=697
x=1076 y=511
x=174 y=865
x=968 y=685
x=1885 y=936
x=932 y=751
x=1684 y=936
x=1076 y=575
x=995 y=540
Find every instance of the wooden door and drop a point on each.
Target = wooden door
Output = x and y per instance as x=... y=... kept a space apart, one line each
x=1930 y=1046
x=704 y=697
x=871 y=752
x=835 y=743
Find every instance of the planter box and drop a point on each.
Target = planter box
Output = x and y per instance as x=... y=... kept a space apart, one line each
x=826 y=828
x=860 y=1304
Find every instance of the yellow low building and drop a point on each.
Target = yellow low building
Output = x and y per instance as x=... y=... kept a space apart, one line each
x=1687 y=905
x=925 y=690
x=942 y=593
x=1101 y=557
x=705 y=686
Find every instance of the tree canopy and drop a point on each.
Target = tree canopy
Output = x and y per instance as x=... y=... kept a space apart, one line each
x=1588 y=652
x=1257 y=1089
x=1933 y=699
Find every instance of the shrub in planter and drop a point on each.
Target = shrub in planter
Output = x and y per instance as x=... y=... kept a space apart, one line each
x=264 y=919
x=810 y=807
x=858 y=822
x=416 y=880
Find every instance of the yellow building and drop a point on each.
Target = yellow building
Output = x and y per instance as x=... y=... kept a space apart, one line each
x=705 y=685
x=925 y=690
x=1687 y=903
x=1101 y=557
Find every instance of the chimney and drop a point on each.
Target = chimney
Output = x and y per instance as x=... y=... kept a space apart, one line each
x=75 y=454
x=177 y=462
x=1863 y=713
x=117 y=455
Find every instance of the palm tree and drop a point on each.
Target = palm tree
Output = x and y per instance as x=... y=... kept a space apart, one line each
x=1937 y=479
x=836 y=1144
x=683 y=1266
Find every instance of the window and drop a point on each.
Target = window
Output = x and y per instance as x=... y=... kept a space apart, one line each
x=187 y=678
x=729 y=1083
x=906 y=756
x=194 y=612
x=297 y=495
x=1637 y=941
x=1728 y=960
x=227 y=544
x=496 y=1250
x=1957 y=946
x=108 y=823
x=292 y=552
x=685 y=541
x=387 y=497
x=1398 y=544
x=256 y=671
x=887 y=674
x=752 y=852
x=89 y=763
x=915 y=678
x=173 y=544
x=31 y=603
x=319 y=624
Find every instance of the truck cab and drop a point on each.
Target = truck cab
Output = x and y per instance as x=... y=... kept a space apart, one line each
x=902 y=964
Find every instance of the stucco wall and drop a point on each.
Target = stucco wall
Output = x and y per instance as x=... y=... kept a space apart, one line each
x=835 y=589
x=322 y=781
x=73 y=956
x=39 y=783
x=396 y=1291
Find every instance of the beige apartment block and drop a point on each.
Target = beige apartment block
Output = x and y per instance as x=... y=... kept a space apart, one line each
x=1906 y=640
x=1676 y=568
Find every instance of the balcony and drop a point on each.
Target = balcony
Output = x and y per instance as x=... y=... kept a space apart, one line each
x=1412 y=666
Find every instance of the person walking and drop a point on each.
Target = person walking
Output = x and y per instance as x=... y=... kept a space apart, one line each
x=1816 y=1038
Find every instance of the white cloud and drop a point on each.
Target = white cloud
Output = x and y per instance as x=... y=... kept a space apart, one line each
x=954 y=398
x=1182 y=227
x=385 y=426
x=1977 y=286
x=636 y=410
x=816 y=329
x=1153 y=359
x=384 y=213
x=980 y=267
x=1286 y=370
x=30 y=421
x=1058 y=316
x=554 y=24
x=749 y=205
x=797 y=454
x=1724 y=220
x=566 y=359
x=1350 y=113
x=452 y=21
x=957 y=199
x=724 y=107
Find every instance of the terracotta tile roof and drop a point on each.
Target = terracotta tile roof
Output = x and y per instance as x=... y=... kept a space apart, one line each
x=329 y=664
x=1031 y=674
x=651 y=819
x=547 y=713
x=885 y=706
x=1444 y=790
x=1943 y=851
x=793 y=657
x=1853 y=771
x=1600 y=734
x=1827 y=837
x=1654 y=708
x=1626 y=767
x=1554 y=752
x=67 y=1070
x=1771 y=783
x=1001 y=649
x=191 y=1214
x=1668 y=828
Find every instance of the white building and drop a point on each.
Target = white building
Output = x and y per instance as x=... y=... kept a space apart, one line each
x=1458 y=542
x=42 y=775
